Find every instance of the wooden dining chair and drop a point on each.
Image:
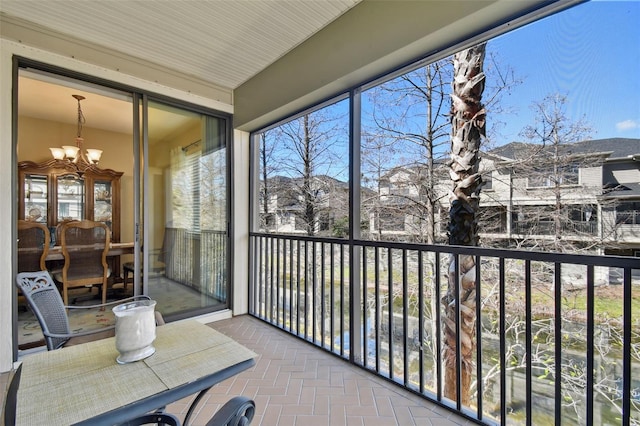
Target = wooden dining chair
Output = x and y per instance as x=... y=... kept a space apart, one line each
x=155 y=267
x=34 y=240
x=58 y=234
x=85 y=245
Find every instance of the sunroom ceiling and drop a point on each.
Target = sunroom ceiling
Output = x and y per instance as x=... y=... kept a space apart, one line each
x=223 y=42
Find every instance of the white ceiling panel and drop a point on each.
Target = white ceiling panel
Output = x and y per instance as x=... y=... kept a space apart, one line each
x=224 y=42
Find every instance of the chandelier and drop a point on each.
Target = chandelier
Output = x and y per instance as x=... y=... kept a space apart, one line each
x=74 y=154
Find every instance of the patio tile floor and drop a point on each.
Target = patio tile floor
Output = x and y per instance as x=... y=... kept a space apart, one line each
x=294 y=383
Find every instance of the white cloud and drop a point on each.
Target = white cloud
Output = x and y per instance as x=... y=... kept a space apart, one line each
x=627 y=125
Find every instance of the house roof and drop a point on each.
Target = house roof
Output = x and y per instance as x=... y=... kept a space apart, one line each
x=628 y=190
x=619 y=147
x=614 y=147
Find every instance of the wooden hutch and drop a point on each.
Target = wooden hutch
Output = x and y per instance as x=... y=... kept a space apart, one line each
x=56 y=191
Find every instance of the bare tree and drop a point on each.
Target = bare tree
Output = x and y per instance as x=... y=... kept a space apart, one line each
x=303 y=165
x=311 y=158
x=408 y=119
x=551 y=165
x=377 y=153
x=407 y=135
x=267 y=167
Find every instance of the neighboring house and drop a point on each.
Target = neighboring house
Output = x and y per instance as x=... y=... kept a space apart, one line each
x=590 y=199
x=586 y=184
x=399 y=208
x=287 y=201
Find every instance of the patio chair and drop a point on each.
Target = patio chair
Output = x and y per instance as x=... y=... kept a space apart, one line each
x=238 y=410
x=11 y=399
x=45 y=302
x=85 y=245
x=164 y=419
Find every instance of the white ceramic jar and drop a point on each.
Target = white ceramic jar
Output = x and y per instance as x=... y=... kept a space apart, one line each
x=135 y=330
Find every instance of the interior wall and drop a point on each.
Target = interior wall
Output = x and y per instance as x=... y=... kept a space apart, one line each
x=36 y=136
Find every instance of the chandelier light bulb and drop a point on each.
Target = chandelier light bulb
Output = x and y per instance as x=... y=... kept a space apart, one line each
x=94 y=155
x=57 y=153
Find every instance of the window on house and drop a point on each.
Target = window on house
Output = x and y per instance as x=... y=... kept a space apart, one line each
x=533 y=220
x=492 y=220
x=538 y=181
x=583 y=213
x=565 y=174
x=487 y=180
x=325 y=222
x=583 y=219
x=269 y=220
x=628 y=213
x=570 y=174
x=390 y=221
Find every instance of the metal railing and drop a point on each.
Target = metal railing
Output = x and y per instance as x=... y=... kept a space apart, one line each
x=548 y=350
x=569 y=229
x=197 y=260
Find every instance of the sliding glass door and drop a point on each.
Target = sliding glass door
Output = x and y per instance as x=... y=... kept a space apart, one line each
x=185 y=244
x=161 y=185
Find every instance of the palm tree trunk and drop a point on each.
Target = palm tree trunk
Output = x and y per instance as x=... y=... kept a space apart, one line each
x=467 y=129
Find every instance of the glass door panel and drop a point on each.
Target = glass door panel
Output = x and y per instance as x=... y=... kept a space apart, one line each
x=35 y=198
x=102 y=211
x=71 y=198
x=185 y=248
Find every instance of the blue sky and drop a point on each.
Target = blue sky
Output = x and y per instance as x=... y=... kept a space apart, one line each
x=591 y=54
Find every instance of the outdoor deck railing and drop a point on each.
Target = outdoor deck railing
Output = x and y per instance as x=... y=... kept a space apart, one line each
x=197 y=260
x=557 y=339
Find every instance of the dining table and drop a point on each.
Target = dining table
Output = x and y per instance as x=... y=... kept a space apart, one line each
x=84 y=385
x=115 y=249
